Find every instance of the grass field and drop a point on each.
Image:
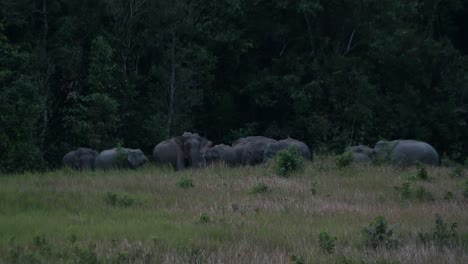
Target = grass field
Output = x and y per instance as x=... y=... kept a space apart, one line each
x=229 y=216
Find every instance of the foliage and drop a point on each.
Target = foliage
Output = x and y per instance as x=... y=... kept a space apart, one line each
x=289 y=161
x=204 y=218
x=448 y=196
x=378 y=233
x=297 y=259
x=95 y=72
x=423 y=195
x=442 y=234
x=121 y=200
x=21 y=108
x=344 y=160
x=421 y=172
x=457 y=172
x=259 y=188
x=405 y=190
x=326 y=242
x=185 y=183
x=465 y=190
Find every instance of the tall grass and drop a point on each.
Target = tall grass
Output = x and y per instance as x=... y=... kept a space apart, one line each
x=163 y=224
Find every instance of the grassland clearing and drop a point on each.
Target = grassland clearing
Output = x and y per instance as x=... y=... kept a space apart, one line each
x=63 y=216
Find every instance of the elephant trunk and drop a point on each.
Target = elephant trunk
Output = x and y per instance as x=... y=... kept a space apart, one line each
x=196 y=159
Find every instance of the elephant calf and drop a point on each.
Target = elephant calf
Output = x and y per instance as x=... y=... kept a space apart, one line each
x=80 y=159
x=221 y=153
x=407 y=152
x=361 y=153
x=120 y=157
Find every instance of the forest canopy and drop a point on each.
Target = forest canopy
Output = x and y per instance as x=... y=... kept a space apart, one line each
x=333 y=73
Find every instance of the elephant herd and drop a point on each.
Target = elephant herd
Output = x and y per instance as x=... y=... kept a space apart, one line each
x=398 y=152
x=193 y=150
x=187 y=150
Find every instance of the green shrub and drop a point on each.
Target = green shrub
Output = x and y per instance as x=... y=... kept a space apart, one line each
x=441 y=234
x=344 y=160
x=204 y=218
x=424 y=195
x=313 y=189
x=326 y=242
x=122 y=200
x=421 y=172
x=259 y=188
x=448 y=196
x=405 y=190
x=289 y=161
x=185 y=183
x=297 y=259
x=465 y=190
x=457 y=172
x=378 y=234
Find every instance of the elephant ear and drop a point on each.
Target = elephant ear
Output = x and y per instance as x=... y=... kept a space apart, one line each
x=205 y=144
x=132 y=159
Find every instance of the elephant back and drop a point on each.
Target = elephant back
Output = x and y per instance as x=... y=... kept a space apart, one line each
x=249 y=150
x=301 y=147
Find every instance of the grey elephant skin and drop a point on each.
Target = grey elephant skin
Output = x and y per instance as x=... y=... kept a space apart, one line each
x=80 y=159
x=361 y=153
x=182 y=151
x=120 y=158
x=407 y=152
x=221 y=154
x=273 y=148
x=249 y=150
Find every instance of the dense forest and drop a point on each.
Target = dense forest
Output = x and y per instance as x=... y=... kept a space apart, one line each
x=98 y=73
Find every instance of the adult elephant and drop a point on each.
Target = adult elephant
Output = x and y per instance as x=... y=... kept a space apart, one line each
x=406 y=152
x=80 y=159
x=273 y=148
x=221 y=154
x=182 y=151
x=249 y=150
x=120 y=158
x=361 y=153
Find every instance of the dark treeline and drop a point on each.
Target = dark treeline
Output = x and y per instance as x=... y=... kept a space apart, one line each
x=332 y=73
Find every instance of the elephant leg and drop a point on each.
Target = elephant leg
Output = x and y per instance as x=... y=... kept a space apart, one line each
x=180 y=161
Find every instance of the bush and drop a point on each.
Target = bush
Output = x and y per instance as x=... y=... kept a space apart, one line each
x=378 y=234
x=448 y=196
x=289 y=161
x=326 y=242
x=465 y=191
x=344 y=160
x=123 y=200
x=185 y=183
x=204 y=218
x=405 y=190
x=421 y=172
x=424 y=195
x=457 y=172
x=259 y=188
x=441 y=234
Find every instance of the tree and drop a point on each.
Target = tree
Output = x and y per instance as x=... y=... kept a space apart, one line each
x=94 y=119
x=21 y=107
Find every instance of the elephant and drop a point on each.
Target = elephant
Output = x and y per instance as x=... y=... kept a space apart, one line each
x=249 y=150
x=81 y=159
x=407 y=152
x=182 y=151
x=221 y=153
x=361 y=153
x=273 y=148
x=120 y=157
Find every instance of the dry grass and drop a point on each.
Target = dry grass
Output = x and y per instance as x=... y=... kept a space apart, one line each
x=164 y=226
